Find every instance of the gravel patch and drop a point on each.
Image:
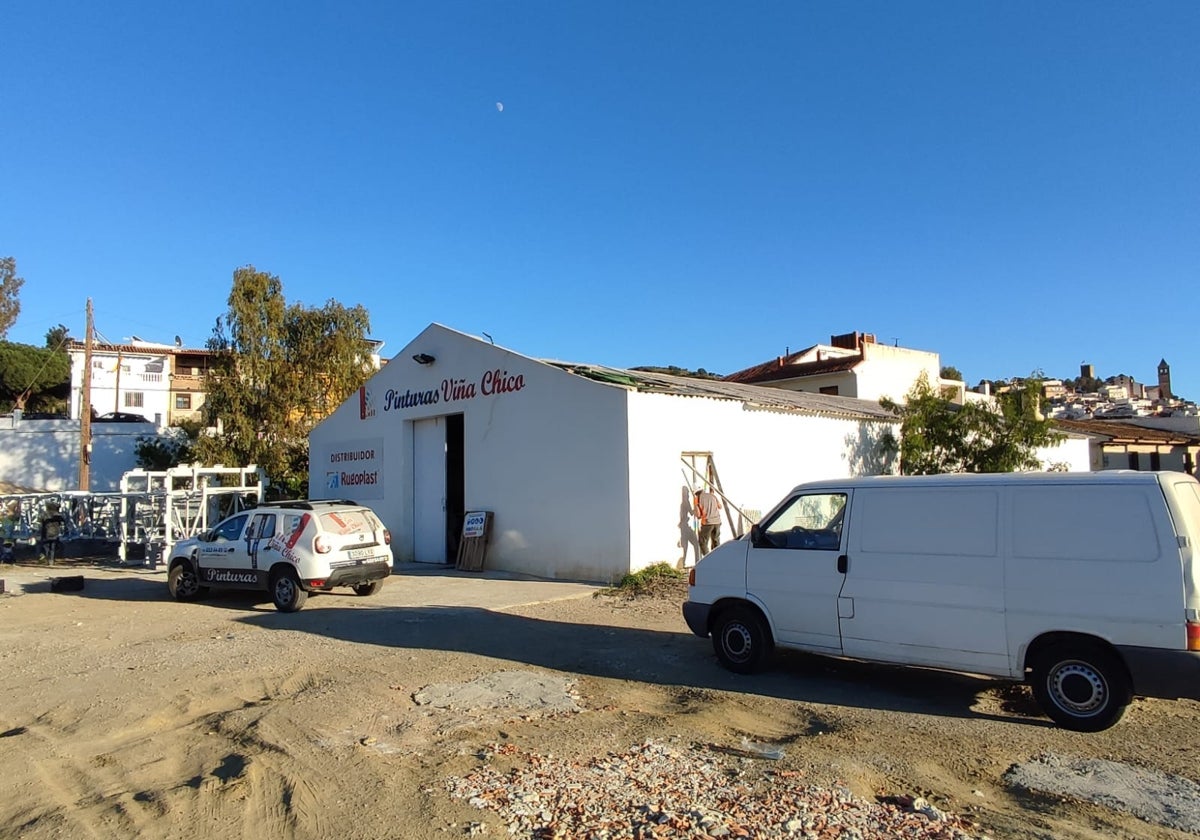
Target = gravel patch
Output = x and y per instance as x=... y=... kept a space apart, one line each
x=658 y=791
x=1162 y=798
x=524 y=690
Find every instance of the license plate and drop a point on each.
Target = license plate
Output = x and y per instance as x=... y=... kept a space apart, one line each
x=361 y=553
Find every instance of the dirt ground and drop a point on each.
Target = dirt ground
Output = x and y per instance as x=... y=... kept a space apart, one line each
x=125 y=714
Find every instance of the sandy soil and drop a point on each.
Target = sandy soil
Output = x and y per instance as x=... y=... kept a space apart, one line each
x=125 y=714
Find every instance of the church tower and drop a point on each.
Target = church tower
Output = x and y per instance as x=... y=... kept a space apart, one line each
x=1164 y=381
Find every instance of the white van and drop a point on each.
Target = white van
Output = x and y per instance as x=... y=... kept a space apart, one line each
x=1082 y=583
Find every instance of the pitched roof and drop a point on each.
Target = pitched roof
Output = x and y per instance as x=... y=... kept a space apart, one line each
x=722 y=389
x=787 y=367
x=141 y=349
x=1125 y=432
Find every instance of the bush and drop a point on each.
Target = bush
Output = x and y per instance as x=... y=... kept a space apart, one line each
x=651 y=580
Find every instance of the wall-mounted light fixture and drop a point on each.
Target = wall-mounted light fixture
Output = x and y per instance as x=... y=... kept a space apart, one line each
x=424 y=359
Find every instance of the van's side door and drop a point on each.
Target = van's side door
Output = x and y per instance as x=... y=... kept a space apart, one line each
x=795 y=569
x=926 y=578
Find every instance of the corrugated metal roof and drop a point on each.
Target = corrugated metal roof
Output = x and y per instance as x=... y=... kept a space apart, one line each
x=1125 y=432
x=754 y=395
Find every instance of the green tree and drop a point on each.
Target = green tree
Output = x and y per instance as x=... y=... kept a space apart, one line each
x=937 y=436
x=57 y=337
x=279 y=370
x=33 y=378
x=177 y=445
x=10 y=294
x=951 y=372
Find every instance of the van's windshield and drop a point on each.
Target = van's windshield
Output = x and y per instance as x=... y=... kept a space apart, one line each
x=813 y=521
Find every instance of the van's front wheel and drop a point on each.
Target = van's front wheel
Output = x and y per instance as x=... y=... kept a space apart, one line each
x=741 y=640
x=1081 y=687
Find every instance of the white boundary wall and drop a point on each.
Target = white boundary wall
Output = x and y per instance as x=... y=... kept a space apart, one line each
x=44 y=454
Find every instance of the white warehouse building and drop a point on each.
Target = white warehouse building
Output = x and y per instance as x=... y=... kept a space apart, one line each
x=588 y=470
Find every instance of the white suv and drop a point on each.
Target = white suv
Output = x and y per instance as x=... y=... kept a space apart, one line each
x=288 y=549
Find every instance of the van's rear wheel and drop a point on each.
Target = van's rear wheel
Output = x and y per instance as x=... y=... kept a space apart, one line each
x=1081 y=686
x=286 y=591
x=741 y=640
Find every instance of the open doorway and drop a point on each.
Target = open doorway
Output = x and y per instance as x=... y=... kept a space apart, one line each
x=456 y=492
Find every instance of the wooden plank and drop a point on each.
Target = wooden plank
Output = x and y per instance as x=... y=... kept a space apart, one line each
x=472 y=548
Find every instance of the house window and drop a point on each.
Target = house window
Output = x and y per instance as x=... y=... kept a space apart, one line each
x=97 y=364
x=134 y=399
x=831 y=390
x=183 y=402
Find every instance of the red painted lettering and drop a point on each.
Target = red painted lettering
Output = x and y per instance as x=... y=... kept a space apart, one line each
x=499 y=382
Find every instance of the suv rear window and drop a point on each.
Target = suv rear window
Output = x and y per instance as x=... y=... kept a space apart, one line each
x=347 y=522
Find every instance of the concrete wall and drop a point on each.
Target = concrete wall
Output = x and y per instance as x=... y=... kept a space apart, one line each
x=548 y=458
x=1075 y=454
x=888 y=371
x=759 y=456
x=44 y=454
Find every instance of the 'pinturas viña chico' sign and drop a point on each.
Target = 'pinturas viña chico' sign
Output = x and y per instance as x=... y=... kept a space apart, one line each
x=492 y=383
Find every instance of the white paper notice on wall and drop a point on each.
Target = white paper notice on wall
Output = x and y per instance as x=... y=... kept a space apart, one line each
x=473 y=524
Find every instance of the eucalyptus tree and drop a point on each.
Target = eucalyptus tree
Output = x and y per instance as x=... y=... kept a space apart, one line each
x=279 y=369
x=10 y=294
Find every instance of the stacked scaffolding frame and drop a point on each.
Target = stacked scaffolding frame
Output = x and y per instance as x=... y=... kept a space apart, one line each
x=153 y=510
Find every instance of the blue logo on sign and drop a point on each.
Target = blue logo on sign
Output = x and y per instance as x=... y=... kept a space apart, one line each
x=333 y=480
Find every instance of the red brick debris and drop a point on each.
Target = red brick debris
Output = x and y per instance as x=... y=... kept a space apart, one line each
x=658 y=791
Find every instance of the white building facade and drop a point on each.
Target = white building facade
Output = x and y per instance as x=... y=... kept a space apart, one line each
x=583 y=467
x=129 y=378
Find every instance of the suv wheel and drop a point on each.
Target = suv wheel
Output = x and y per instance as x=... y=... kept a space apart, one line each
x=286 y=591
x=184 y=584
x=369 y=588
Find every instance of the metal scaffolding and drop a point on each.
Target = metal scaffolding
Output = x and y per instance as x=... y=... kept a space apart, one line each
x=153 y=510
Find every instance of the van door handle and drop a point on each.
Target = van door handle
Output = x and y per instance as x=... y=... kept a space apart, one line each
x=843 y=563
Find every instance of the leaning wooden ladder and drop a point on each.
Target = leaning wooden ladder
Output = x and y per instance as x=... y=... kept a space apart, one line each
x=712 y=480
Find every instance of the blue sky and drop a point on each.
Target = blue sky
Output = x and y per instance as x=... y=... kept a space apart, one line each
x=1013 y=185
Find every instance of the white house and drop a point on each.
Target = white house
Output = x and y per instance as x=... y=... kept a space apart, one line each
x=133 y=378
x=588 y=470
x=854 y=365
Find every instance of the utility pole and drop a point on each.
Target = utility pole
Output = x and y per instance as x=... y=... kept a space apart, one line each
x=85 y=409
x=117 y=396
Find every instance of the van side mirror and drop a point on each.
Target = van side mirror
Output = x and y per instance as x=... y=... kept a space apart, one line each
x=755 y=534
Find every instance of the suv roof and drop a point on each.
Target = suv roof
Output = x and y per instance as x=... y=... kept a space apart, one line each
x=309 y=504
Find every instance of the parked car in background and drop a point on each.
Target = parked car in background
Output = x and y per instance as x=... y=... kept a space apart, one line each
x=119 y=417
x=289 y=549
